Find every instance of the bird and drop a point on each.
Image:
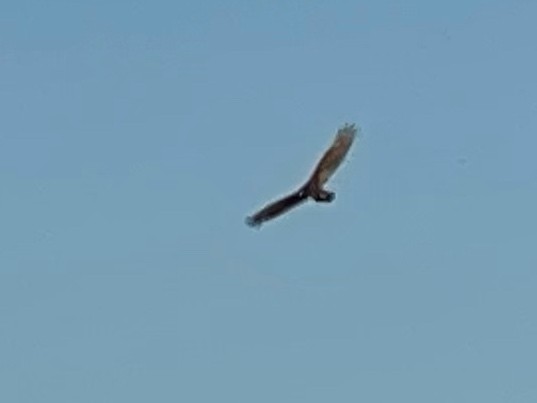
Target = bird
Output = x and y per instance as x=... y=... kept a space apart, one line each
x=314 y=186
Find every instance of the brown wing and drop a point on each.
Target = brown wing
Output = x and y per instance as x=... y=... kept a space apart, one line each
x=277 y=208
x=335 y=155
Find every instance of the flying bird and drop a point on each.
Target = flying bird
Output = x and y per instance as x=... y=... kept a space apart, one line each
x=314 y=187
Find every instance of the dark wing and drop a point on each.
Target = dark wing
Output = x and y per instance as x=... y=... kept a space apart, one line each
x=335 y=155
x=277 y=208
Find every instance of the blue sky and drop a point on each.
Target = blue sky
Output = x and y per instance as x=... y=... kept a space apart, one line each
x=136 y=136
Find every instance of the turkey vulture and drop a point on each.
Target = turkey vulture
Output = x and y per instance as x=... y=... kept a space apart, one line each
x=313 y=188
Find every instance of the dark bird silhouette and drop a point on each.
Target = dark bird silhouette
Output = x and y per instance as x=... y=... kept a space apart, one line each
x=314 y=187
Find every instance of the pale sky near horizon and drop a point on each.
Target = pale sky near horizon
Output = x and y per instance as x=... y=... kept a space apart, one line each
x=136 y=137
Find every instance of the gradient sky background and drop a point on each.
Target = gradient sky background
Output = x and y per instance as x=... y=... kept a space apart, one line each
x=135 y=137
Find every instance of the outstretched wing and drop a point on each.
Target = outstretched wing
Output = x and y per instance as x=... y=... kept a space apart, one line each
x=277 y=208
x=335 y=155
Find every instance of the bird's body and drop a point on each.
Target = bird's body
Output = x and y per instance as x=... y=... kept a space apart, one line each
x=314 y=187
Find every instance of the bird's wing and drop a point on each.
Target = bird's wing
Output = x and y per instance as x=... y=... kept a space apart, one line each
x=334 y=156
x=277 y=208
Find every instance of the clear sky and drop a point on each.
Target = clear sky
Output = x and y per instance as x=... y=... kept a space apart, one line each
x=136 y=136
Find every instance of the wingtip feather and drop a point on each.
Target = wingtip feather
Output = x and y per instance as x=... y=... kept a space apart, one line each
x=348 y=129
x=251 y=222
